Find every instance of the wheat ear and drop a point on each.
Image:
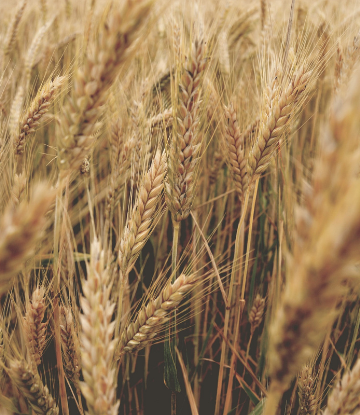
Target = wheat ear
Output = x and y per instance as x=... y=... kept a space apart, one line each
x=306 y=391
x=235 y=154
x=277 y=111
x=34 y=327
x=344 y=398
x=151 y=319
x=314 y=287
x=70 y=346
x=184 y=150
x=38 y=108
x=97 y=338
x=93 y=79
x=20 y=230
x=13 y=28
x=139 y=224
x=18 y=188
x=30 y=385
x=256 y=312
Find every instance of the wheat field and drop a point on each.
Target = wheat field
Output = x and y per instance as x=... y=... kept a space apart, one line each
x=180 y=207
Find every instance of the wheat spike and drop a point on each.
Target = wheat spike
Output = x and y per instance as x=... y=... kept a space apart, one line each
x=34 y=327
x=97 y=338
x=140 y=222
x=184 y=150
x=70 y=346
x=151 y=319
x=38 y=108
x=18 y=188
x=20 y=230
x=344 y=398
x=30 y=385
x=13 y=28
x=306 y=391
x=235 y=154
x=93 y=79
x=278 y=109
x=256 y=312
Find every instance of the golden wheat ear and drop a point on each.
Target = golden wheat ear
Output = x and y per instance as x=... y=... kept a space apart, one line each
x=152 y=318
x=344 y=398
x=139 y=224
x=38 y=108
x=92 y=80
x=20 y=231
x=34 y=326
x=98 y=340
x=32 y=388
x=184 y=152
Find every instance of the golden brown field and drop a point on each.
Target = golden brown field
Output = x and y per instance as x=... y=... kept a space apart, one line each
x=179 y=207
